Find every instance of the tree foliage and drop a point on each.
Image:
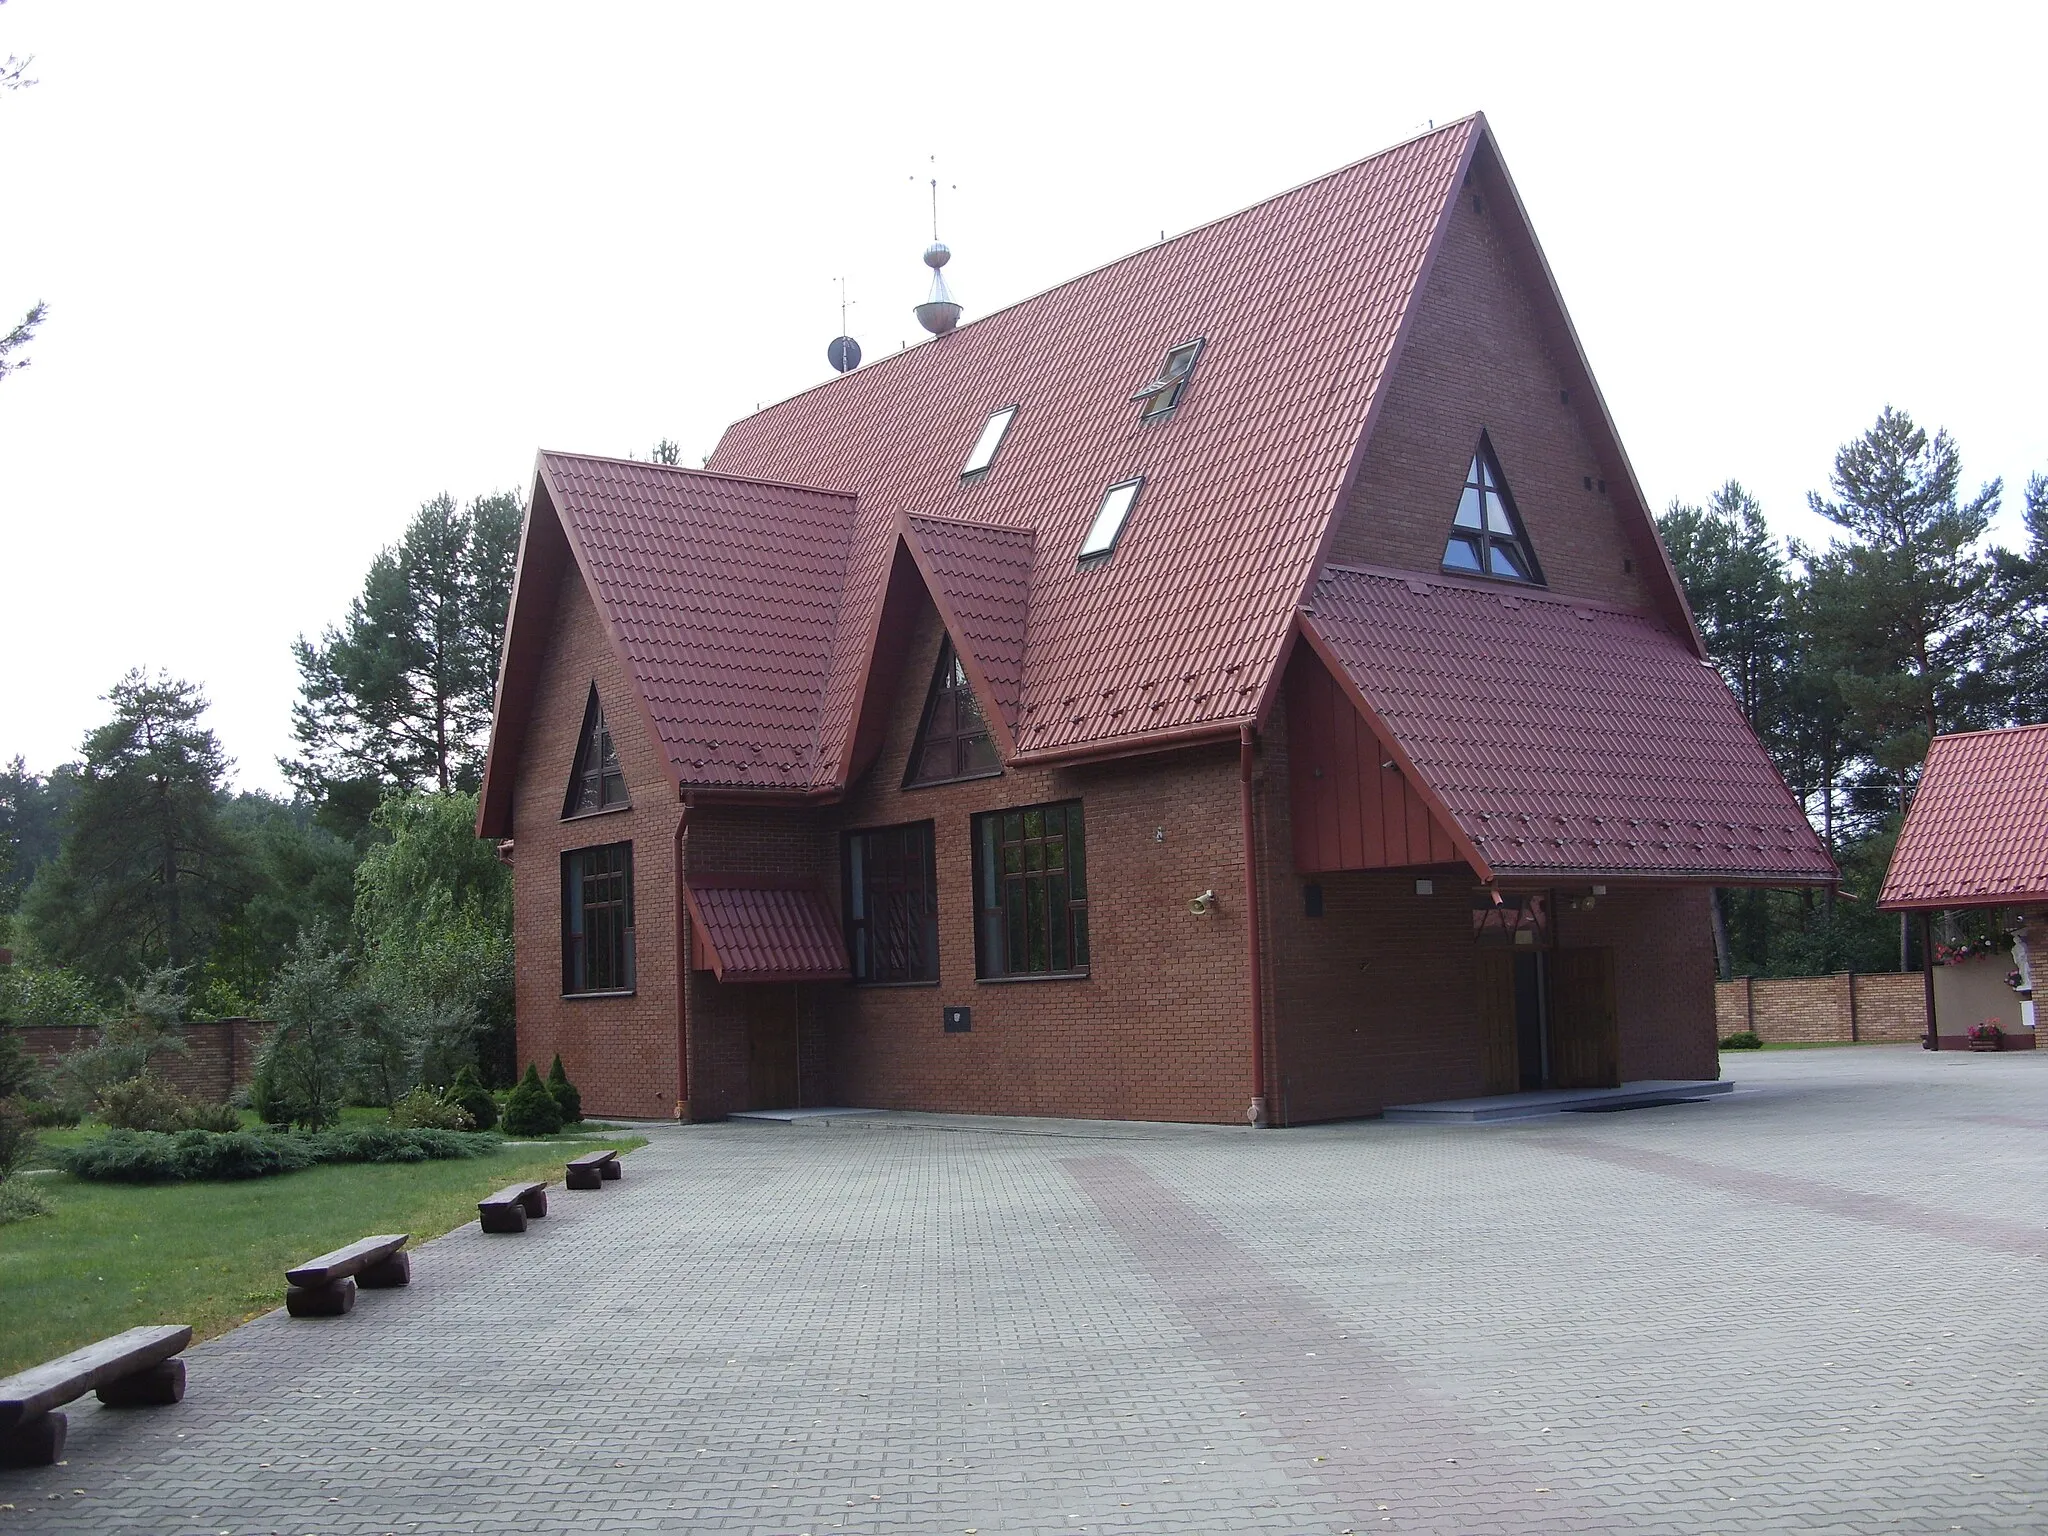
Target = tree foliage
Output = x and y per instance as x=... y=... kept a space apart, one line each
x=398 y=696
x=147 y=870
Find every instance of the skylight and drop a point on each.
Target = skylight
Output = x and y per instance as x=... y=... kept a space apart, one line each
x=1487 y=536
x=991 y=439
x=1164 y=392
x=1109 y=522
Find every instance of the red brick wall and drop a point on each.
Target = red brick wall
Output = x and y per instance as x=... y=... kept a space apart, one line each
x=1474 y=359
x=219 y=1054
x=620 y=1051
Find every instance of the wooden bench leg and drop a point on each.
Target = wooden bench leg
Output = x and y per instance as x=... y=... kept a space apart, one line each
x=585 y=1178
x=330 y=1300
x=37 y=1443
x=392 y=1270
x=536 y=1203
x=612 y=1170
x=158 y=1386
x=503 y=1218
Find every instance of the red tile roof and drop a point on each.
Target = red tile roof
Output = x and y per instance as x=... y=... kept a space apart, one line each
x=1976 y=834
x=758 y=930
x=725 y=598
x=1300 y=299
x=980 y=577
x=1560 y=736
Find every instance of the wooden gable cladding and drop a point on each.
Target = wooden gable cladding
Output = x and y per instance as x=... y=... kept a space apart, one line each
x=1349 y=810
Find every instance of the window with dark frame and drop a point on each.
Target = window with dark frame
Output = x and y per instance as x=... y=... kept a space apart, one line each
x=1487 y=536
x=1163 y=393
x=597 y=919
x=596 y=782
x=953 y=740
x=891 y=901
x=1030 y=892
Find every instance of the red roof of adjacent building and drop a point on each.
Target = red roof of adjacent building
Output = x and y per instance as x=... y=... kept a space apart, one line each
x=1560 y=736
x=761 y=930
x=1976 y=834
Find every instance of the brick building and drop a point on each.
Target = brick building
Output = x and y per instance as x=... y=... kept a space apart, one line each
x=1246 y=674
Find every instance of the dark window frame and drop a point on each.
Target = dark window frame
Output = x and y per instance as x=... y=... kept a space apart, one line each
x=1005 y=910
x=595 y=768
x=870 y=874
x=1484 y=539
x=607 y=968
x=1090 y=558
x=1162 y=397
x=981 y=472
x=949 y=696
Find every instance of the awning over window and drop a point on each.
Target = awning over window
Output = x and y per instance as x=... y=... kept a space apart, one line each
x=750 y=929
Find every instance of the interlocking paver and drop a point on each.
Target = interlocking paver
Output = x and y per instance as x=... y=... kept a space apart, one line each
x=1812 y=1306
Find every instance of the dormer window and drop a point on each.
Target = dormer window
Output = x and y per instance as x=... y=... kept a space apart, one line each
x=952 y=740
x=991 y=439
x=1109 y=521
x=596 y=783
x=1164 y=392
x=1487 y=536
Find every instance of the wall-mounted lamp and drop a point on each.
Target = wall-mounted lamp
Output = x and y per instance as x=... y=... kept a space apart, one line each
x=1203 y=904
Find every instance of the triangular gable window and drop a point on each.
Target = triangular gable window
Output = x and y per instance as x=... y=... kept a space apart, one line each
x=1487 y=536
x=596 y=783
x=952 y=740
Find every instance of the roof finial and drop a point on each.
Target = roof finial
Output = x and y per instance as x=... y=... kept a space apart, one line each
x=939 y=312
x=843 y=352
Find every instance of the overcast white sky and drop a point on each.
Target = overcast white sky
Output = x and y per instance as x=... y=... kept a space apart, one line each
x=309 y=265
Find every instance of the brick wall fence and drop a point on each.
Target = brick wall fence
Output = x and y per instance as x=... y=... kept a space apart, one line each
x=1885 y=1008
x=219 y=1055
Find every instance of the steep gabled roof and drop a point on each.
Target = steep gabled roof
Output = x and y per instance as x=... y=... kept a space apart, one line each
x=979 y=576
x=1561 y=737
x=1976 y=834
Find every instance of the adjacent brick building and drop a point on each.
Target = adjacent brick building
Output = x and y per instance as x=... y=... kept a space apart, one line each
x=1243 y=678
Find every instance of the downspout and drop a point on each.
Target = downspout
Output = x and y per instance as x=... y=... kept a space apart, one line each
x=682 y=976
x=1256 y=1114
x=1932 y=1042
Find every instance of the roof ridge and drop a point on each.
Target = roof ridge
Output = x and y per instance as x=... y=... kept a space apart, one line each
x=698 y=473
x=1190 y=232
x=1989 y=730
x=1026 y=529
x=1486 y=588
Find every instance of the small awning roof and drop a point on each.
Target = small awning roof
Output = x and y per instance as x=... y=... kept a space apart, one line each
x=1977 y=832
x=764 y=930
x=1558 y=737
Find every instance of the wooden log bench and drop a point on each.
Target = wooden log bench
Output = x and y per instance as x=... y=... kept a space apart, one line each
x=130 y=1370
x=509 y=1209
x=326 y=1286
x=593 y=1168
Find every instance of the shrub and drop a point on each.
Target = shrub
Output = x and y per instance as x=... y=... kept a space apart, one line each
x=213 y=1117
x=17 y=1139
x=50 y=1114
x=473 y=1096
x=151 y=1157
x=433 y=1109
x=304 y=1065
x=145 y=1103
x=532 y=1110
x=19 y=1201
x=564 y=1091
x=20 y=1077
x=1744 y=1040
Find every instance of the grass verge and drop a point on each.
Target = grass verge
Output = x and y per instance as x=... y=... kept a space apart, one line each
x=213 y=1255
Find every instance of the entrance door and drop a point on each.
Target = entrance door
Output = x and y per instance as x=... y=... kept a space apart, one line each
x=1512 y=1020
x=771 y=1046
x=1585 y=1025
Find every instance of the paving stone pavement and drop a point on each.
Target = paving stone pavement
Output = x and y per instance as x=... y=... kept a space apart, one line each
x=1816 y=1305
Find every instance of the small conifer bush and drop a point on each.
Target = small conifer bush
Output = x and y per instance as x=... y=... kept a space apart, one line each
x=532 y=1110
x=1745 y=1040
x=468 y=1091
x=566 y=1096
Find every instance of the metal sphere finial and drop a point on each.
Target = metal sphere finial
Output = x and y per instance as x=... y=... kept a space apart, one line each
x=936 y=255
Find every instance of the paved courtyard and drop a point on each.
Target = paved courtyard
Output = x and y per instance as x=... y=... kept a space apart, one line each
x=1816 y=1305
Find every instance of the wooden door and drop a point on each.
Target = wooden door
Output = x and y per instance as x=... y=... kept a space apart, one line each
x=771 y=1046
x=1500 y=1062
x=1585 y=1026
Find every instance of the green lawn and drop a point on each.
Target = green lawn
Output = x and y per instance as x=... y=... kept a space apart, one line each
x=112 y=1256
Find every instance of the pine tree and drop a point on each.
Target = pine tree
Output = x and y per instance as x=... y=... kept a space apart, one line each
x=147 y=869
x=398 y=696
